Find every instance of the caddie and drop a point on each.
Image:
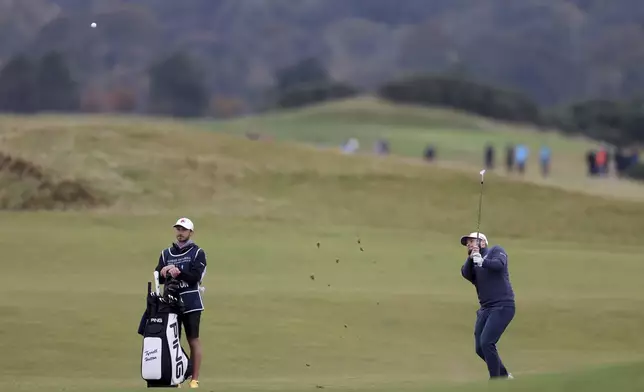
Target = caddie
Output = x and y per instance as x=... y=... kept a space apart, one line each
x=186 y=261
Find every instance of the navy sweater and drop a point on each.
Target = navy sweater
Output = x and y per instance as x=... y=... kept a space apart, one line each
x=492 y=279
x=191 y=260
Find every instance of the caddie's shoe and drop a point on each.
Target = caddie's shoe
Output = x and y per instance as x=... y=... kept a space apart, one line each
x=194 y=384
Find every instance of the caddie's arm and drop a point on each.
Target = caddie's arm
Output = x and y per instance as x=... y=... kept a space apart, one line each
x=194 y=272
x=159 y=267
x=496 y=261
x=467 y=270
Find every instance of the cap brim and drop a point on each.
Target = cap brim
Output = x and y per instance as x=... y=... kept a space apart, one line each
x=467 y=237
x=464 y=238
x=187 y=228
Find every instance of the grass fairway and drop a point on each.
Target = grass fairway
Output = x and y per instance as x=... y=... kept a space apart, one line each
x=394 y=317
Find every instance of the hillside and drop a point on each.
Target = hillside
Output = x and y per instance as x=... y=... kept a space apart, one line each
x=459 y=139
x=144 y=165
x=324 y=270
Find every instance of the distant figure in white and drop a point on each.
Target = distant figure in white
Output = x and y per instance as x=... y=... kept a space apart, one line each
x=351 y=146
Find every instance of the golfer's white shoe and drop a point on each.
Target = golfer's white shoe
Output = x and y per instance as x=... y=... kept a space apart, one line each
x=510 y=377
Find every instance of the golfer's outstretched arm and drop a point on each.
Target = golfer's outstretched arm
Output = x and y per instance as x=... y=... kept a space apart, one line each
x=194 y=273
x=467 y=270
x=496 y=261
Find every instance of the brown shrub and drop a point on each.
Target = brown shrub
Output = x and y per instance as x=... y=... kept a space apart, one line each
x=28 y=187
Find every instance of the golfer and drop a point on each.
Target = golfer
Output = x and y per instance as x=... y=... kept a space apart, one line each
x=487 y=269
x=186 y=261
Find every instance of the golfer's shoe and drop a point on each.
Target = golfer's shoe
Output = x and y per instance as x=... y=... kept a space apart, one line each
x=510 y=377
x=194 y=384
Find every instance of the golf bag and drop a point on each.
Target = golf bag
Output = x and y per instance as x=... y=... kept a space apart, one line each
x=164 y=363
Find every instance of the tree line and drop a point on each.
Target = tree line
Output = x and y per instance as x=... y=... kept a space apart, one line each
x=619 y=121
x=46 y=83
x=29 y=85
x=555 y=51
x=178 y=86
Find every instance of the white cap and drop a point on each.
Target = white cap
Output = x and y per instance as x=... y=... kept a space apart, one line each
x=473 y=235
x=185 y=223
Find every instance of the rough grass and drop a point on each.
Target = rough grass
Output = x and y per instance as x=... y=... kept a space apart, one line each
x=26 y=186
x=395 y=316
x=147 y=166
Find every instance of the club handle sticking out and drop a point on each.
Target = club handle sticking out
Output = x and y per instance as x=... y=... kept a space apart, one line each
x=149 y=288
x=157 y=288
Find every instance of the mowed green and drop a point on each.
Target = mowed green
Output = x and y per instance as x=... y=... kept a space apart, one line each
x=283 y=313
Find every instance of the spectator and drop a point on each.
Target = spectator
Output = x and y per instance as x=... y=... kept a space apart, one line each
x=635 y=157
x=351 y=146
x=489 y=156
x=509 y=158
x=591 y=162
x=544 y=158
x=381 y=147
x=521 y=157
x=430 y=153
x=601 y=161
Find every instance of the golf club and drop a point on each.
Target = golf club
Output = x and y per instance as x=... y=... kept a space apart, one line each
x=157 y=288
x=478 y=222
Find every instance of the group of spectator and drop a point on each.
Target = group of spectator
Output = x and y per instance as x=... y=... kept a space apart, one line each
x=516 y=158
x=598 y=161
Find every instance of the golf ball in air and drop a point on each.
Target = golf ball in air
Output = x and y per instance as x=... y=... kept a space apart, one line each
x=93 y=25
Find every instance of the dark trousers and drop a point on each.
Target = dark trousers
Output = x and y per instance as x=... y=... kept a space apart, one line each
x=490 y=325
x=545 y=168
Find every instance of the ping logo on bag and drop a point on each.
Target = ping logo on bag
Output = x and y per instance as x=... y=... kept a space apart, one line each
x=156 y=320
x=178 y=357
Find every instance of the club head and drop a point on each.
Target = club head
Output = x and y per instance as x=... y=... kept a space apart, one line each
x=482 y=173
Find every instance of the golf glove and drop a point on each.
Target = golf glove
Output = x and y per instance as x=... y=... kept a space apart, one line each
x=477 y=259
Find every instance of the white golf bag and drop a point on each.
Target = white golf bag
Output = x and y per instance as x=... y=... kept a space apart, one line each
x=164 y=363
